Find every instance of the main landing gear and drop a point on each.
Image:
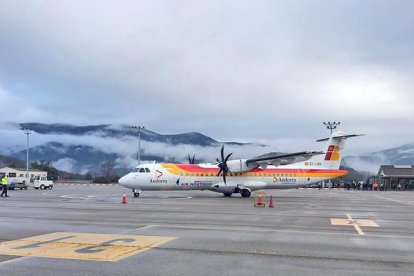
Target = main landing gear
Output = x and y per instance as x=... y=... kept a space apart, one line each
x=244 y=192
x=136 y=192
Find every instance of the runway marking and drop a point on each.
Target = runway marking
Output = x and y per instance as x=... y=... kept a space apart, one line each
x=411 y=203
x=82 y=246
x=356 y=223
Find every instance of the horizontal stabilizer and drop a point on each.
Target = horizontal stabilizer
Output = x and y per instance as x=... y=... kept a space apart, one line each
x=341 y=137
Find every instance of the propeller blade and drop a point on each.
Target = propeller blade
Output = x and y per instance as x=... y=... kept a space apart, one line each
x=189 y=159
x=193 y=159
x=223 y=164
x=227 y=158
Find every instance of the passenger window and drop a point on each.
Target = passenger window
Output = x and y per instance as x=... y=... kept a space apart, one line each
x=147 y=170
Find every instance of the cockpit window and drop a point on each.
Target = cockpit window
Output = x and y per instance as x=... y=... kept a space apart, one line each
x=141 y=170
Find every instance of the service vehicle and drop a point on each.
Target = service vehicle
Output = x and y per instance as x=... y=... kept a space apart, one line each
x=42 y=183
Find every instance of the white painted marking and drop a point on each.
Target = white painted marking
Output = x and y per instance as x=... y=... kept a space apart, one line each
x=411 y=203
x=356 y=226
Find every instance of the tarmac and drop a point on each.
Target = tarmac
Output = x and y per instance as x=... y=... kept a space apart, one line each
x=85 y=230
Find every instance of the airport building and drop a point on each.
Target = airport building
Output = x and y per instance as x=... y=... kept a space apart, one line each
x=396 y=177
x=21 y=172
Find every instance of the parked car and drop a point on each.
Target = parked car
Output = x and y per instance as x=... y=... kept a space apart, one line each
x=17 y=183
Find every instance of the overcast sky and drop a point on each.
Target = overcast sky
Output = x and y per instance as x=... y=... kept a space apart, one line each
x=247 y=71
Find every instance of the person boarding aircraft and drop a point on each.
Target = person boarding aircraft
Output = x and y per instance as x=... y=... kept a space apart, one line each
x=243 y=175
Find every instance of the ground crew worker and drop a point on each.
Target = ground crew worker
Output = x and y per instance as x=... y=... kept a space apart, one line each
x=4 y=183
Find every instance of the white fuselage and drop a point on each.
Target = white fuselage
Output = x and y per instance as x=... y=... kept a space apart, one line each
x=154 y=177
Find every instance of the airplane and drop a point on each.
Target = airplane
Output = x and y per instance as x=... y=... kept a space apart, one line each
x=243 y=176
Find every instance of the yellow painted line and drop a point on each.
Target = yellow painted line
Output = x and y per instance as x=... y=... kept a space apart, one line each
x=356 y=223
x=82 y=246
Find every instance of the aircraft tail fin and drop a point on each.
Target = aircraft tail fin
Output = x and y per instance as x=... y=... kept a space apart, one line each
x=333 y=156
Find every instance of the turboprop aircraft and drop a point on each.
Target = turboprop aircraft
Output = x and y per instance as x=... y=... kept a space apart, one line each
x=243 y=176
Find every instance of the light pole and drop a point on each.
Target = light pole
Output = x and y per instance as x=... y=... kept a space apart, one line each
x=27 y=131
x=140 y=129
x=331 y=126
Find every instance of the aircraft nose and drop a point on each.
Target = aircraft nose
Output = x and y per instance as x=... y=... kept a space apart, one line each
x=123 y=181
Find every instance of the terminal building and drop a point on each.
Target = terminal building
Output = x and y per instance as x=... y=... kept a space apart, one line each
x=21 y=172
x=395 y=177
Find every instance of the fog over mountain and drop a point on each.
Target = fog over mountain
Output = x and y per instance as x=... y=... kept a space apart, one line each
x=79 y=149
x=403 y=155
x=82 y=148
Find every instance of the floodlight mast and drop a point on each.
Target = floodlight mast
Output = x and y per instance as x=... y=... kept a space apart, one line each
x=139 y=129
x=331 y=126
x=27 y=131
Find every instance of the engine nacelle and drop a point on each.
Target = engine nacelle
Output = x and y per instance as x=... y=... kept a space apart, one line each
x=240 y=165
x=223 y=188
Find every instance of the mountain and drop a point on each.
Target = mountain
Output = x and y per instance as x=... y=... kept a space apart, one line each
x=119 y=131
x=78 y=149
x=12 y=162
x=402 y=155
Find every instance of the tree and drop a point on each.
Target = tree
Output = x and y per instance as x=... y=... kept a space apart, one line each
x=88 y=176
x=108 y=173
x=107 y=168
x=45 y=165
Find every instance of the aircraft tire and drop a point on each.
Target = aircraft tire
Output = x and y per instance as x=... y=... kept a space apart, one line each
x=227 y=194
x=245 y=193
x=136 y=194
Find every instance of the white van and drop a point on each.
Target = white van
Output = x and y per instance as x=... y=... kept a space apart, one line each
x=42 y=183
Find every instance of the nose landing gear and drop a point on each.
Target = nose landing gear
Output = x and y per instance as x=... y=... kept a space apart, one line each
x=136 y=192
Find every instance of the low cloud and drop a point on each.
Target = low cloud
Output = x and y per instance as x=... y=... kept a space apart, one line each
x=66 y=164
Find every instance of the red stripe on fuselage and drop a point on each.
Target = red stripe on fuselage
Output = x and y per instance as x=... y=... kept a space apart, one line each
x=197 y=169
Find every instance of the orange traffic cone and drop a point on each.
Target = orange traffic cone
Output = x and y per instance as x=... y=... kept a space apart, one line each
x=124 y=199
x=271 y=202
x=260 y=200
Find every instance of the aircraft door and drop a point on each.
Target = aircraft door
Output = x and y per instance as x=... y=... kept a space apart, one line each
x=301 y=174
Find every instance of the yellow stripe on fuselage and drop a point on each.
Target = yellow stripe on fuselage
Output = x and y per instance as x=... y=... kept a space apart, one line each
x=274 y=172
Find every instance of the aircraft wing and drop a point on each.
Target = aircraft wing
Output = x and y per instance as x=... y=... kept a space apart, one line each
x=282 y=159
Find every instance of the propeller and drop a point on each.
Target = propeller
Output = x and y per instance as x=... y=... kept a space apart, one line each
x=191 y=161
x=223 y=164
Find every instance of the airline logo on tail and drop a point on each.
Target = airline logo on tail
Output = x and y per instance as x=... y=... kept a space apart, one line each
x=332 y=154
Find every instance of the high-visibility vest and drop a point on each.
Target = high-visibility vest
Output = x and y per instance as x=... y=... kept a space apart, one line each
x=4 y=181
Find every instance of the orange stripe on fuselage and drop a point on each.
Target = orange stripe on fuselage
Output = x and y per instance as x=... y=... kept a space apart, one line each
x=189 y=168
